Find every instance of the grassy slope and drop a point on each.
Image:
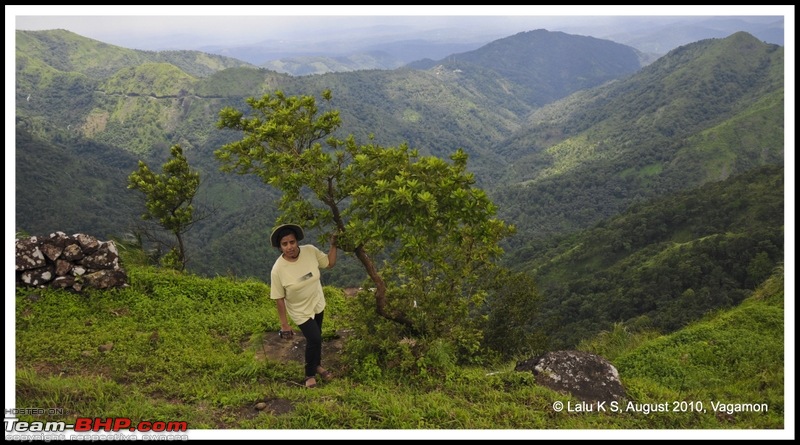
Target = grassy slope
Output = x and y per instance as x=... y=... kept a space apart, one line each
x=731 y=357
x=183 y=350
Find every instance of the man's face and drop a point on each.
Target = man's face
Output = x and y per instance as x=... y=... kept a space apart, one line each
x=289 y=246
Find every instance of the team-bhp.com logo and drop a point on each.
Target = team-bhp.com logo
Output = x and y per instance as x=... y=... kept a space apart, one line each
x=95 y=424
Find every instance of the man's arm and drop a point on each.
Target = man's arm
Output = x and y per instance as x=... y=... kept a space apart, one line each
x=332 y=252
x=281 y=302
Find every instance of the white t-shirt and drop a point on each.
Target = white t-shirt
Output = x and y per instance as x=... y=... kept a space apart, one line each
x=299 y=283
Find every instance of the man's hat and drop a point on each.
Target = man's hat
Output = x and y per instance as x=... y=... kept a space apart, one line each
x=298 y=233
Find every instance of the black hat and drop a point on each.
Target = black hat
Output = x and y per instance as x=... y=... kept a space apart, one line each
x=298 y=233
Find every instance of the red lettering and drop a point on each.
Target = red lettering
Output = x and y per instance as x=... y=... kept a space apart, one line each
x=104 y=424
x=83 y=424
x=120 y=423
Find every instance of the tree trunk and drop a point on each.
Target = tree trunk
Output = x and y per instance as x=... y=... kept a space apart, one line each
x=380 y=289
x=369 y=265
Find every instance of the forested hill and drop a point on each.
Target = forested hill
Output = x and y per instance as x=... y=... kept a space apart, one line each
x=702 y=113
x=66 y=51
x=542 y=66
x=662 y=263
x=78 y=97
x=138 y=101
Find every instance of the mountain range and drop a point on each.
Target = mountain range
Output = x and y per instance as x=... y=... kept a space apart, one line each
x=570 y=135
x=391 y=47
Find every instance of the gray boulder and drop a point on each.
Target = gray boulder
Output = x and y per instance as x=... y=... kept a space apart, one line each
x=589 y=377
x=68 y=262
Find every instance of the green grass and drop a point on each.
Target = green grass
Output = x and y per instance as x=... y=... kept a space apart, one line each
x=733 y=357
x=182 y=351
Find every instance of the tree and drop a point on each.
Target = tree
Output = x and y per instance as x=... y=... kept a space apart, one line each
x=168 y=199
x=422 y=213
x=511 y=330
x=759 y=269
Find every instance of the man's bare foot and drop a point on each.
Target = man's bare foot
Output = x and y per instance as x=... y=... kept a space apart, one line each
x=325 y=374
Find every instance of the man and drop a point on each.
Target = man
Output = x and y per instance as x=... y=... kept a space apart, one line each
x=297 y=291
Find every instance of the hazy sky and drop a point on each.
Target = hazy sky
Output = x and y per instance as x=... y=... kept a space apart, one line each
x=140 y=27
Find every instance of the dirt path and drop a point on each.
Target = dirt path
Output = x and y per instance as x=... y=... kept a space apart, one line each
x=282 y=350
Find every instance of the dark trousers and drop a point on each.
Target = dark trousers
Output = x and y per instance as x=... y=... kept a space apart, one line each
x=312 y=331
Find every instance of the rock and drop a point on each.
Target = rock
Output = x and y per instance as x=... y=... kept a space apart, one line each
x=589 y=377
x=68 y=262
x=28 y=255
